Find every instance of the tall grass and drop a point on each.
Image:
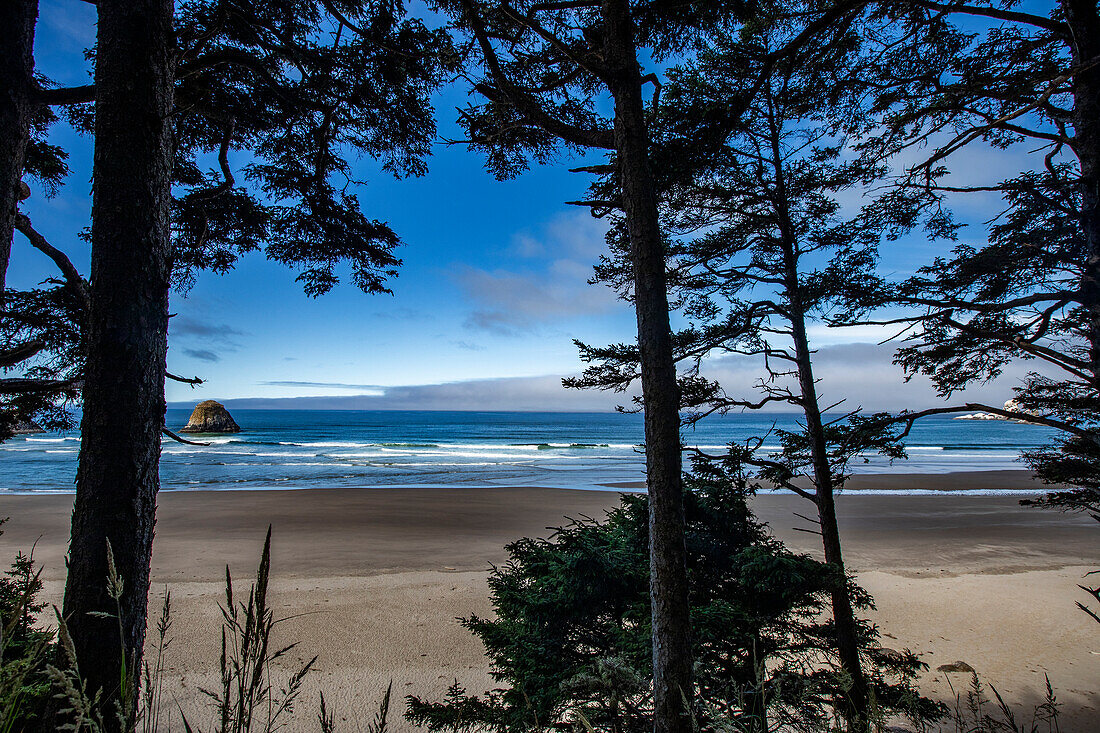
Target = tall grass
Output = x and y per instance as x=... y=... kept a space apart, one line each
x=152 y=699
x=248 y=700
x=976 y=712
x=84 y=710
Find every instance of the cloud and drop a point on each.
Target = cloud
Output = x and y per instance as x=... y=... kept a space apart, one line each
x=322 y=385
x=521 y=301
x=513 y=301
x=468 y=346
x=202 y=355
x=821 y=335
x=525 y=245
x=204 y=339
x=516 y=394
x=193 y=328
x=864 y=375
x=572 y=235
x=860 y=375
x=549 y=284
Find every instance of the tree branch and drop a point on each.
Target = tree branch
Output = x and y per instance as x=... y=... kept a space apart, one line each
x=66 y=95
x=72 y=275
x=193 y=381
x=178 y=439
x=911 y=417
x=527 y=106
x=1039 y=21
x=532 y=24
x=21 y=385
x=22 y=352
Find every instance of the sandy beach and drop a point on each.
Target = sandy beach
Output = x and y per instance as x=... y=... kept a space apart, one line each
x=377 y=578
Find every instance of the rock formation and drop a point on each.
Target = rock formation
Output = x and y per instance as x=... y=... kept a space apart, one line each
x=211 y=417
x=27 y=427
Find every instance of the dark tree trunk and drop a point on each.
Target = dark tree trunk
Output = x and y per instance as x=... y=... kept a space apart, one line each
x=117 y=480
x=17 y=20
x=1084 y=20
x=660 y=392
x=855 y=706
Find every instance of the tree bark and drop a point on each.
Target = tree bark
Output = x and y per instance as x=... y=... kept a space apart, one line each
x=672 y=658
x=117 y=480
x=17 y=21
x=1083 y=19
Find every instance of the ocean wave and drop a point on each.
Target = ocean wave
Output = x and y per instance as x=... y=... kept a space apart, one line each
x=408 y=445
x=423 y=454
x=986 y=447
x=326 y=444
x=724 y=446
x=559 y=446
x=442 y=464
x=953 y=456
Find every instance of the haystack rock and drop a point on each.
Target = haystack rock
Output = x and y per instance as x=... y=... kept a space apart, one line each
x=28 y=427
x=211 y=417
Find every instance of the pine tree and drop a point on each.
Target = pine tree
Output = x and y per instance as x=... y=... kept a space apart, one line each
x=542 y=68
x=339 y=77
x=958 y=75
x=569 y=635
x=126 y=347
x=297 y=86
x=776 y=254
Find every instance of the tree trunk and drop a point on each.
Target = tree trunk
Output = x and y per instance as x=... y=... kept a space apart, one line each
x=117 y=480
x=855 y=707
x=17 y=21
x=1084 y=20
x=660 y=393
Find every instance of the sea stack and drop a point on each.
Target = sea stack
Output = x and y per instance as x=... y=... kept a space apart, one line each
x=211 y=417
x=28 y=427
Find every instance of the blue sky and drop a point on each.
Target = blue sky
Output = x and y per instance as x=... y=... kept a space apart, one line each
x=490 y=296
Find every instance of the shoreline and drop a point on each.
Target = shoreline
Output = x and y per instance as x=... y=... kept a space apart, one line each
x=947 y=483
x=1005 y=482
x=377 y=578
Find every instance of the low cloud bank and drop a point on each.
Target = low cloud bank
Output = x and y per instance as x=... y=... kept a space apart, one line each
x=862 y=375
x=515 y=394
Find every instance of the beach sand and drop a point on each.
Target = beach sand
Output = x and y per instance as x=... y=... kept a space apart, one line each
x=376 y=579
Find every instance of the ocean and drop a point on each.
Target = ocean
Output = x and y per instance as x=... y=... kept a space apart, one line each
x=302 y=449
